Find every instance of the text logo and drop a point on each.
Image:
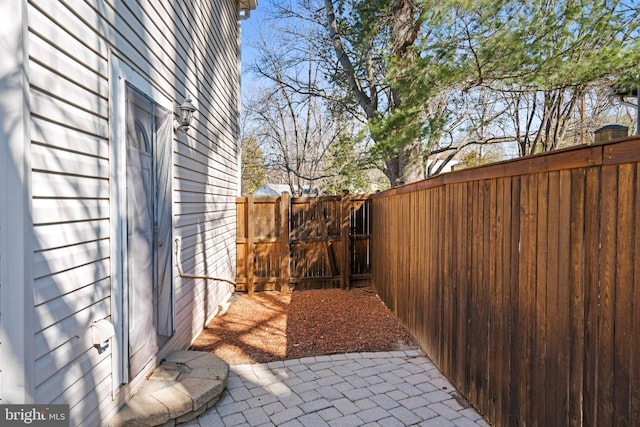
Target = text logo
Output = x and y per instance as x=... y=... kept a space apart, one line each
x=34 y=415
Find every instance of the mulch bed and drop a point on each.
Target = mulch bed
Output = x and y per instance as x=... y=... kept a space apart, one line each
x=271 y=326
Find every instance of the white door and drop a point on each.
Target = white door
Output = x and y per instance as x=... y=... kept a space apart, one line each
x=148 y=245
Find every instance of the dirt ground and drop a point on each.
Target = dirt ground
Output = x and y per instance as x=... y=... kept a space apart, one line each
x=271 y=326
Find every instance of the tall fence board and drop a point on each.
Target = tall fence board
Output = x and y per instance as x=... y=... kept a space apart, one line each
x=521 y=281
x=303 y=242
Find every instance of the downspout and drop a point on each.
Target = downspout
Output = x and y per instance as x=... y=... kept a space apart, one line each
x=178 y=241
x=222 y=308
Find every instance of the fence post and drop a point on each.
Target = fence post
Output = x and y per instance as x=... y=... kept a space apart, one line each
x=251 y=254
x=284 y=242
x=345 y=271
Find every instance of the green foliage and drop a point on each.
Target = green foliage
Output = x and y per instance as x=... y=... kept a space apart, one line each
x=475 y=158
x=539 y=43
x=398 y=129
x=550 y=44
x=512 y=47
x=254 y=173
x=348 y=168
x=366 y=37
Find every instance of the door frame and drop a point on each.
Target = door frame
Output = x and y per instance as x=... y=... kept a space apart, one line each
x=120 y=74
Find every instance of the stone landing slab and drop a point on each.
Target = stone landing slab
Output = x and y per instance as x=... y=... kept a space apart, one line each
x=185 y=385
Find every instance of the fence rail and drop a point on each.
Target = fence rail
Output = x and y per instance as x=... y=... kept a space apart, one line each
x=302 y=242
x=522 y=282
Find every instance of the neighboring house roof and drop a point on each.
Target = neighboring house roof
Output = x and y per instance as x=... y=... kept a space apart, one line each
x=278 y=189
x=447 y=168
x=272 y=190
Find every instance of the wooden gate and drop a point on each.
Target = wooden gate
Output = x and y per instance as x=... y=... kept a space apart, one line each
x=288 y=243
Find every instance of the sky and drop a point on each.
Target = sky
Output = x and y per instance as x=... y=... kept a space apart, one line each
x=249 y=31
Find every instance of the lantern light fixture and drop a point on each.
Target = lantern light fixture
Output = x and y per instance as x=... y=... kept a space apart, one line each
x=183 y=122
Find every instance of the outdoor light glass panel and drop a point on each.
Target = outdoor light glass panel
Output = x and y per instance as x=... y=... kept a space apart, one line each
x=186 y=115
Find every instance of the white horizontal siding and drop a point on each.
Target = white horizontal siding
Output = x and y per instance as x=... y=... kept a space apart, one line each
x=52 y=286
x=100 y=398
x=198 y=219
x=188 y=186
x=184 y=313
x=86 y=48
x=85 y=395
x=202 y=178
x=200 y=293
x=64 y=113
x=190 y=208
x=49 y=211
x=65 y=138
x=178 y=48
x=219 y=228
x=91 y=76
x=57 y=384
x=61 y=87
x=217 y=173
x=47 y=184
x=53 y=160
x=63 y=306
x=211 y=154
x=215 y=157
x=217 y=72
x=69 y=154
x=67 y=329
x=218 y=206
x=51 y=261
x=68 y=234
x=65 y=258
x=52 y=362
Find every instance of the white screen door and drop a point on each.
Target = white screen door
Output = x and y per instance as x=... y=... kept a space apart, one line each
x=148 y=201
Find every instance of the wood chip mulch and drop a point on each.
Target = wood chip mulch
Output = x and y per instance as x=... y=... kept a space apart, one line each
x=270 y=326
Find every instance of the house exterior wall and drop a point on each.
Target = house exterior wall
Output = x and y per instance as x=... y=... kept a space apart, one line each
x=177 y=47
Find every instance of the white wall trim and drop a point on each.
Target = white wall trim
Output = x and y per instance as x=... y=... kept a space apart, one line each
x=118 y=212
x=16 y=230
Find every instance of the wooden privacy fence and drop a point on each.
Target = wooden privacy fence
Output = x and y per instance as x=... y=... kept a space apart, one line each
x=304 y=242
x=521 y=281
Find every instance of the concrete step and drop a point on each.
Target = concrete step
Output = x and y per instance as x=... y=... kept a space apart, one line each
x=185 y=385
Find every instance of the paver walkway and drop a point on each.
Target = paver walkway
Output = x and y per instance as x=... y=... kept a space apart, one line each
x=397 y=388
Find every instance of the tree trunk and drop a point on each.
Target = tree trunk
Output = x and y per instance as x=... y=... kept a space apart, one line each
x=406 y=166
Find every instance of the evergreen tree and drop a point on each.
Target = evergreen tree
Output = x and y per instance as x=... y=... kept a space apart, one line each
x=254 y=173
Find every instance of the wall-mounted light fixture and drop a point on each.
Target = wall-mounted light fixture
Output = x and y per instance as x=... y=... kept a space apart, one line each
x=185 y=116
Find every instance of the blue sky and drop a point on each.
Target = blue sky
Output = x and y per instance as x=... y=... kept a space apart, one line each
x=249 y=31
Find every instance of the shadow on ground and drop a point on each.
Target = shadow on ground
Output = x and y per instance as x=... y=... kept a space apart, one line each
x=270 y=326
